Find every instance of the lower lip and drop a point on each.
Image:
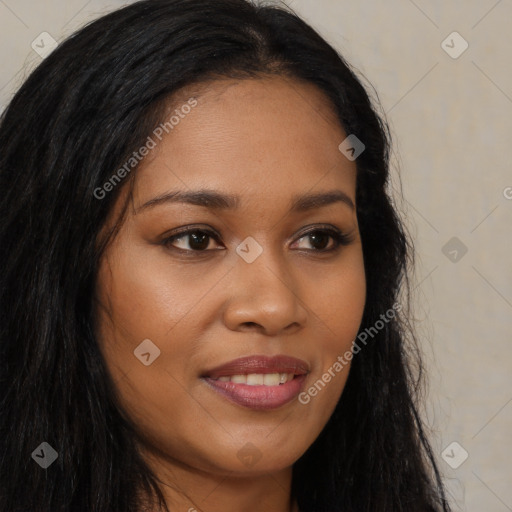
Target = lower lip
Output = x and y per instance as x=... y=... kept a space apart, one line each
x=258 y=397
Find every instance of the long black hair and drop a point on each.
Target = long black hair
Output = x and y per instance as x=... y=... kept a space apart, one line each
x=77 y=118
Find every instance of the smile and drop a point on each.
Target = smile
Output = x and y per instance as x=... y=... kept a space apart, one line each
x=259 y=382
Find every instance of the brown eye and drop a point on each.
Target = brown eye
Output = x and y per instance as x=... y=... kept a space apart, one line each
x=319 y=239
x=198 y=240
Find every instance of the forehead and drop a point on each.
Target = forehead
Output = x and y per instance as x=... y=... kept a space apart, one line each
x=260 y=139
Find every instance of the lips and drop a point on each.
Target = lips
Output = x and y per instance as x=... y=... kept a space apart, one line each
x=259 y=365
x=258 y=382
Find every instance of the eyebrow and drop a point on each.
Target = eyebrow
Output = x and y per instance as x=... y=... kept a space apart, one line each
x=215 y=200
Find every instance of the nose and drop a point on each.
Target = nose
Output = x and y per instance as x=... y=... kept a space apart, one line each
x=265 y=296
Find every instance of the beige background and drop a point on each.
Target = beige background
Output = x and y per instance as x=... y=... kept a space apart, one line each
x=452 y=123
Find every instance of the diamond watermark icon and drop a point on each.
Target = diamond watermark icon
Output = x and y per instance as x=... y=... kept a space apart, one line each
x=249 y=455
x=249 y=249
x=44 y=44
x=351 y=147
x=454 y=455
x=147 y=352
x=454 y=45
x=454 y=249
x=44 y=455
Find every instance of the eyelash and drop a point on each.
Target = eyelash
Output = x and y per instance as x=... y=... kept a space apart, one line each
x=340 y=239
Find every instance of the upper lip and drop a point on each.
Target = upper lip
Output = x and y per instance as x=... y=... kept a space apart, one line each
x=259 y=364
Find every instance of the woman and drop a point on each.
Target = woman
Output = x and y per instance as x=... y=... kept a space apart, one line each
x=202 y=269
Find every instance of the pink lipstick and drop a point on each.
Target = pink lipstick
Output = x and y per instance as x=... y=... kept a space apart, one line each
x=259 y=382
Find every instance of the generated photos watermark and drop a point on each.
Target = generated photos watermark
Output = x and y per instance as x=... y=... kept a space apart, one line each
x=343 y=360
x=143 y=151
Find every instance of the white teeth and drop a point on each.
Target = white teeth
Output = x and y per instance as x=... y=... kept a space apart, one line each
x=272 y=379
x=255 y=379
x=259 y=379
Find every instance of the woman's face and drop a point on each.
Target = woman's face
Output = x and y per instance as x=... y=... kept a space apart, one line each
x=249 y=283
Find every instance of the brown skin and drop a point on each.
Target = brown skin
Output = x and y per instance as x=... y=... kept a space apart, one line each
x=265 y=140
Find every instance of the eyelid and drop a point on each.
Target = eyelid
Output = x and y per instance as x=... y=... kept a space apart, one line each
x=185 y=230
x=318 y=227
x=341 y=237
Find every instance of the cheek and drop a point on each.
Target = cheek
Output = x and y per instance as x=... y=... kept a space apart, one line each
x=144 y=296
x=141 y=300
x=135 y=307
x=340 y=301
x=340 y=307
